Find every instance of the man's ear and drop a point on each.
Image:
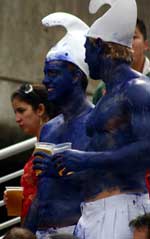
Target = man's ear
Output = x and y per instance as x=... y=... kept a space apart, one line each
x=99 y=45
x=77 y=75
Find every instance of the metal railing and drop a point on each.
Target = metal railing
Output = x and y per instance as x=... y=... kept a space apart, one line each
x=5 y=153
x=9 y=223
x=17 y=148
x=11 y=176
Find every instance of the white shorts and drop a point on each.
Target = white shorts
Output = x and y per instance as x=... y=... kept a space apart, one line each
x=109 y=218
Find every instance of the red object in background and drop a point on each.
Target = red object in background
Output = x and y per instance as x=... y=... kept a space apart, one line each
x=29 y=184
x=147 y=180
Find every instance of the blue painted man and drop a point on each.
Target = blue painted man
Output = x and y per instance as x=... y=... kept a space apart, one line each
x=119 y=129
x=66 y=76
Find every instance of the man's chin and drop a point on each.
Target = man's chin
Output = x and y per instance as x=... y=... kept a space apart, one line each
x=93 y=73
x=94 y=76
x=51 y=97
x=54 y=99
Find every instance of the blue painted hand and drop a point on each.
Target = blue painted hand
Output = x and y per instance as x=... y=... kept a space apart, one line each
x=45 y=163
x=71 y=161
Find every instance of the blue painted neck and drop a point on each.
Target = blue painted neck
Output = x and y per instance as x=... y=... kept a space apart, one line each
x=117 y=73
x=74 y=104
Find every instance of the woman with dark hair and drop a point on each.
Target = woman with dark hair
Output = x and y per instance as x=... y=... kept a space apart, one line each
x=32 y=109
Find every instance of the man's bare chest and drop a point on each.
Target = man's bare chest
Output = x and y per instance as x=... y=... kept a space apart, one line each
x=111 y=114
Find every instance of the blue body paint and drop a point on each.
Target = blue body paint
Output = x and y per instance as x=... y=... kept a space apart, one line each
x=118 y=126
x=118 y=132
x=58 y=199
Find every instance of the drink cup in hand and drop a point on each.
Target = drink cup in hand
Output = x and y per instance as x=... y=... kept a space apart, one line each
x=14 y=197
x=43 y=147
x=60 y=148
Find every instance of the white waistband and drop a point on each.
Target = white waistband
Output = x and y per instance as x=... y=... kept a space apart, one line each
x=113 y=201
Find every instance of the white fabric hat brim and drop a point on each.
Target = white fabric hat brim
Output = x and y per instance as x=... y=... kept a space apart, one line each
x=71 y=47
x=117 y=24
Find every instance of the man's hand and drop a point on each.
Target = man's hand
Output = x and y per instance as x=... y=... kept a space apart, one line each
x=45 y=163
x=70 y=161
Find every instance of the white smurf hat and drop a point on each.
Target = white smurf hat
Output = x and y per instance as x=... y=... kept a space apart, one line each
x=117 y=24
x=71 y=47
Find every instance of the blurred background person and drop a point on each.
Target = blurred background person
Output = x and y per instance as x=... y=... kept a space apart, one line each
x=99 y=92
x=19 y=233
x=140 y=62
x=32 y=109
x=141 y=226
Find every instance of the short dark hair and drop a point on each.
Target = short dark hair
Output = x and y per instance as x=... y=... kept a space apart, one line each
x=114 y=51
x=19 y=233
x=118 y=52
x=142 y=27
x=140 y=222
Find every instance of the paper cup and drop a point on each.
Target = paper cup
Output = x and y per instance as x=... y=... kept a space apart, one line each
x=43 y=147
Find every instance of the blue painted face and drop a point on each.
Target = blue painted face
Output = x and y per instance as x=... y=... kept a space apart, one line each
x=58 y=80
x=95 y=58
x=92 y=58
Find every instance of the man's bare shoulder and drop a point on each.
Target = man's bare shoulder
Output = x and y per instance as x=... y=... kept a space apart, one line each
x=138 y=90
x=58 y=120
x=50 y=127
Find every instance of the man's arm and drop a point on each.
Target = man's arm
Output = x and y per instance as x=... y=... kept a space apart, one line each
x=135 y=155
x=132 y=155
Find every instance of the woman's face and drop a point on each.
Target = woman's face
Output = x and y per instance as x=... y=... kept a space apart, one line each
x=27 y=118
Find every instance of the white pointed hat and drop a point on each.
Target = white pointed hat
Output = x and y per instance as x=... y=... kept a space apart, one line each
x=71 y=47
x=117 y=24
